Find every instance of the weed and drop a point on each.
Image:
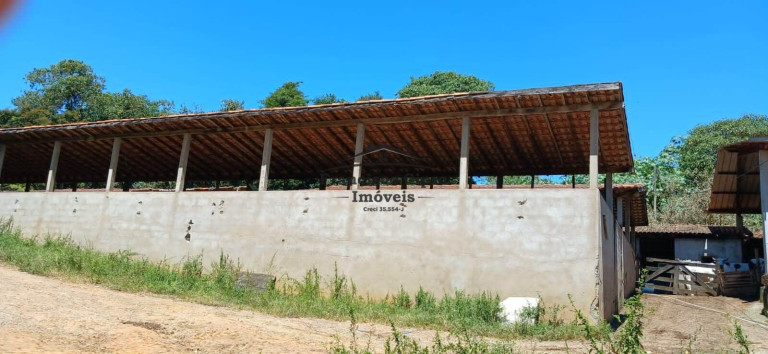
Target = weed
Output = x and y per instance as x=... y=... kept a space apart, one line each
x=425 y=300
x=403 y=299
x=740 y=337
x=627 y=339
x=310 y=287
x=399 y=343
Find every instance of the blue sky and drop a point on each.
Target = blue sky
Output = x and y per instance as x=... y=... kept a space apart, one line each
x=682 y=63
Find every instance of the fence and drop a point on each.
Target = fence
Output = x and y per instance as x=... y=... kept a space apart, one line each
x=681 y=278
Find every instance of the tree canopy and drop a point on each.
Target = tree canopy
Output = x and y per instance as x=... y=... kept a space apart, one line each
x=69 y=91
x=375 y=95
x=231 y=105
x=287 y=95
x=697 y=151
x=443 y=82
x=328 y=98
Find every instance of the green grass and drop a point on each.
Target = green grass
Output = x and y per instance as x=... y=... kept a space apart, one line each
x=312 y=296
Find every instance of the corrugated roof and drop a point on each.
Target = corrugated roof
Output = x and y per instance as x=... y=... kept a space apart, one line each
x=517 y=132
x=693 y=231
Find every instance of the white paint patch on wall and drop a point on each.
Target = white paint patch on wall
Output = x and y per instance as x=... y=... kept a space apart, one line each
x=693 y=249
x=510 y=242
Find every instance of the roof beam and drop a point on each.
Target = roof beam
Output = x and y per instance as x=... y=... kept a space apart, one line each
x=82 y=129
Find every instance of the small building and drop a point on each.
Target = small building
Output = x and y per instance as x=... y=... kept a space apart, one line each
x=548 y=242
x=695 y=243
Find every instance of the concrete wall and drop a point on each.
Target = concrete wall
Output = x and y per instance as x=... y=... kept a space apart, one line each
x=630 y=267
x=693 y=249
x=511 y=242
x=608 y=268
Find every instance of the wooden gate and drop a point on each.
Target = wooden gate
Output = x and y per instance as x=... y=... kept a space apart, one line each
x=680 y=278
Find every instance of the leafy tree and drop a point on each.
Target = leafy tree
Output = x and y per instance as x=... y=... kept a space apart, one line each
x=287 y=95
x=371 y=96
x=64 y=90
x=328 y=98
x=12 y=118
x=697 y=152
x=196 y=108
x=125 y=104
x=231 y=105
x=519 y=180
x=69 y=91
x=443 y=82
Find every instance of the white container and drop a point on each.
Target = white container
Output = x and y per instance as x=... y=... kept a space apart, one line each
x=512 y=307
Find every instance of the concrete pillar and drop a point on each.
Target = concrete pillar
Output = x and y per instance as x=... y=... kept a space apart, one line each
x=763 y=163
x=358 y=165
x=594 y=146
x=50 y=183
x=609 y=191
x=112 y=173
x=627 y=221
x=620 y=211
x=464 y=160
x=2 y=158
x=266 y=158
x=181 y=175
x=323 y=182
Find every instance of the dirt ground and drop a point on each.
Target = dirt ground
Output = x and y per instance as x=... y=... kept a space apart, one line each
x=39 y=314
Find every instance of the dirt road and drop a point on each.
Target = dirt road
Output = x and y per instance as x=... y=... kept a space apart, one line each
x=39 y=314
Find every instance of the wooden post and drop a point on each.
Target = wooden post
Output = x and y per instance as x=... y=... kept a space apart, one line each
x=404 y=182
x=266 y=157
x=378 y=182
x=464 y=159
x=573 y=181
x=181 y=175
x=533 y=181
x=594 y=146
x=358 y=164
x=431 y=182
x=763 y=163
x=500 y=182
x=73 y=185
x=50 y=183
x=739 y=221
x=112 y=173
x=2 y=158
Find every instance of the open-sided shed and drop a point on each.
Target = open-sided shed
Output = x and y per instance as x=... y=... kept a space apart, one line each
x=544 y=242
